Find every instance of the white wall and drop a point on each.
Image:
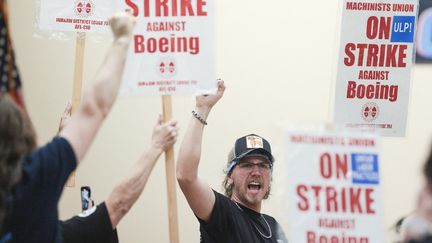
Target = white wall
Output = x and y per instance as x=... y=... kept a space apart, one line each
x=277 y=60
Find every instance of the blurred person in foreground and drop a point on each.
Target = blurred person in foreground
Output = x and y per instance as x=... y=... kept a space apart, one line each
x=417 y=227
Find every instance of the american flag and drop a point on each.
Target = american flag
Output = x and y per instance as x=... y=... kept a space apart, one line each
x=9 y=77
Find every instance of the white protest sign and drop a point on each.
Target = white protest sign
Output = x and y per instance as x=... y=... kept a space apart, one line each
x=374 y=65
x=333 y=187
x=90 y=16
x=173 y=50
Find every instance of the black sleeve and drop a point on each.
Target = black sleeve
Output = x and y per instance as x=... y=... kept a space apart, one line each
x=427 y=239
x=281 y=234
x=219 y=221
x=50 y=166
x=92 y=228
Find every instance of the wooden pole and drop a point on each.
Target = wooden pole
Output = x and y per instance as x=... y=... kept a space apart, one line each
x=77 y=84
x=170 y=177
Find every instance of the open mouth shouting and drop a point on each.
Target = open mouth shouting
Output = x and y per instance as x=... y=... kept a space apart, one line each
x=254 y=187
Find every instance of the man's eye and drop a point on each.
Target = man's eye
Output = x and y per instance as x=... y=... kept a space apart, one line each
x=265 y=166
x=245 y=165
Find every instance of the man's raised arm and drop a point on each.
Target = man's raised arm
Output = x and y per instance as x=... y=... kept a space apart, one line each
x=197 y=192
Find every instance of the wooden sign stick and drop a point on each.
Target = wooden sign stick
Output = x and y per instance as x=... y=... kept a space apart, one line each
x=77 y=84
x=170 y=177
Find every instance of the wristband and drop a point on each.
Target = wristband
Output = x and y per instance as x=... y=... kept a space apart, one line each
x=199 y=118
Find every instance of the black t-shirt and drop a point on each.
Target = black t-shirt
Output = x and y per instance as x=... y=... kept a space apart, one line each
x=94 y=226
x=427 y=239
x=233 y=223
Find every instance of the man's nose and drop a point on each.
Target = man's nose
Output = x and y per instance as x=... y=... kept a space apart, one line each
x=256 y=168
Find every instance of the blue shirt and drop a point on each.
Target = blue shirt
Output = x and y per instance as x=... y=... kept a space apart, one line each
x=34 y=215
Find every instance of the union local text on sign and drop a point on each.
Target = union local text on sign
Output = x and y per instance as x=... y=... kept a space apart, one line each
x=374 y=65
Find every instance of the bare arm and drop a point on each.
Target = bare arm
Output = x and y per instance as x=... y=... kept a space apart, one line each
x=197 y=192
x=125 y=194
x=98 y=100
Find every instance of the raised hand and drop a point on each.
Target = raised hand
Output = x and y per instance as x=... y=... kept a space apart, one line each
x=208 y=101
x=122 y=24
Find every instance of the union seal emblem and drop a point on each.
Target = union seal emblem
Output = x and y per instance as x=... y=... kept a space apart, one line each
x=370 y=111
x=167 y=67
x=84 y=8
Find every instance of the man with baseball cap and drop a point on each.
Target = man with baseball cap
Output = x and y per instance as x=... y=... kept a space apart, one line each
x=235 y=217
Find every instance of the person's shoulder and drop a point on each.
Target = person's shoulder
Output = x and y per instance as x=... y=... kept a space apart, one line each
x=270 y=219
x=59 y=146
x=279 y=231
x=217 y=194
x=56 y=155
x=267 y=216
x=59 y=141
x=223 y=204
x=219 y=197
x=56 y=144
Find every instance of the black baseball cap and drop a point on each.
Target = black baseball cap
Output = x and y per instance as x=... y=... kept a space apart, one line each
x=248 y=145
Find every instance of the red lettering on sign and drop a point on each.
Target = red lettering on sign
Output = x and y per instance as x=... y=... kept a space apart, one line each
x=303 y=205
x=378 y=28
x=166 y=8
x=313 y=237
x=339 y=163
x=372 y=91
x=164 y=44
x=133 y=7
x=356 y=200
x=375 y=55
x=369 y=201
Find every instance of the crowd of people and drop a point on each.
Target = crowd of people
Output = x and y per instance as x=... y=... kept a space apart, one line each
x=32 y=178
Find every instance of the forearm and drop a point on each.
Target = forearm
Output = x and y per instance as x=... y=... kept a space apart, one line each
x=126 y=193
x=190 y=149
x=197 y=192
x=97 y=101
x=108 y=79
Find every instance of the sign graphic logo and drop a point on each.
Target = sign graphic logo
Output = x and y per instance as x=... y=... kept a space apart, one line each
x=167 y=67
x=84 y=8
x=370 y=111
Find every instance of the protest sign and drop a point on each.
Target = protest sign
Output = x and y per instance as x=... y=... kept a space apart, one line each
x=173 y=48
x=333 y=187
x=374 y=65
